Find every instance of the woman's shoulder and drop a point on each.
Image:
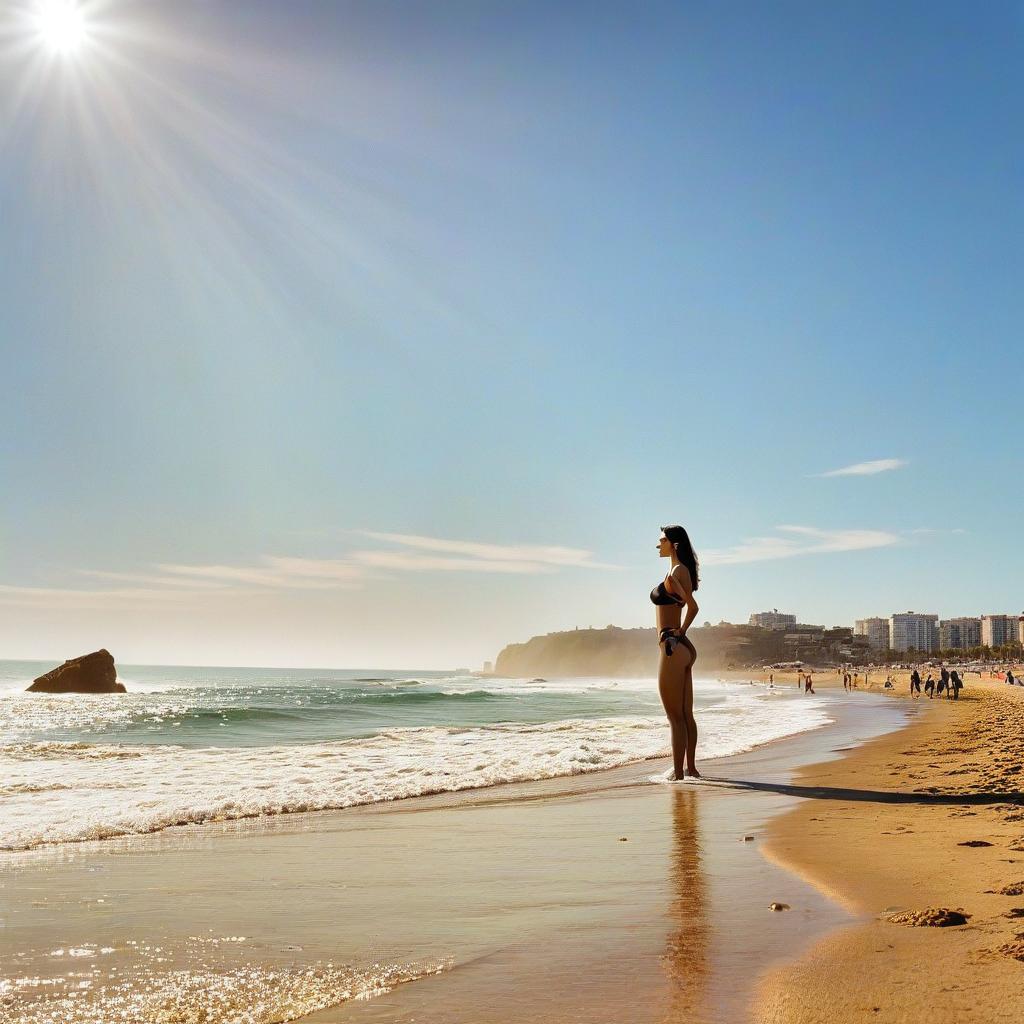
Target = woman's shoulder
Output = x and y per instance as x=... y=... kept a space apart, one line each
x=681 y=574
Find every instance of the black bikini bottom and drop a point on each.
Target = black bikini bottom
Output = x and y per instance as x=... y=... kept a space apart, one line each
x=671 y=641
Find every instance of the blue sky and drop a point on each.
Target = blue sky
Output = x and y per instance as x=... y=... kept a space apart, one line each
x=385 y=333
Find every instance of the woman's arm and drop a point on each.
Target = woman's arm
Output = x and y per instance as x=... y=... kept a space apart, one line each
x=682 y=584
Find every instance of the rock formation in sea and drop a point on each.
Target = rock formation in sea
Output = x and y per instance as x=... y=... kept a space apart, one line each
x=91 y=673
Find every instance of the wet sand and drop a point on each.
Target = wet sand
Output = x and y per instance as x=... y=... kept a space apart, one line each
x=596 y=898
x=932 y=816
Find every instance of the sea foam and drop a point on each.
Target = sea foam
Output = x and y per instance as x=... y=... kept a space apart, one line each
x=55 y=792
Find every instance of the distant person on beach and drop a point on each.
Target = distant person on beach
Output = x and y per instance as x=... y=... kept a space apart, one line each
x=1010 y=681
x=944 y=680
x=675 y=668
x=929 y=686
x=915 y=683
x=808 y=685
x=956 y=684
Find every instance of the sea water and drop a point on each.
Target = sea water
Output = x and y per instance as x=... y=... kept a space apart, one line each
x=189 y=745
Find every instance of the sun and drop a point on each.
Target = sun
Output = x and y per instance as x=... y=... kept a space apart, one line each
x=61 y=26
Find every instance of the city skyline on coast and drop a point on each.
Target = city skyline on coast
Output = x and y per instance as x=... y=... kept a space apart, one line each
x=387 y=334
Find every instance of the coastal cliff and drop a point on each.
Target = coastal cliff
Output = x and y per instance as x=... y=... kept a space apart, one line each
x=583 y=652
x=634 y=652
x=607 y=652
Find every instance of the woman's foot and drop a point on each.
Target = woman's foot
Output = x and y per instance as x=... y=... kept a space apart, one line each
x=692 y=773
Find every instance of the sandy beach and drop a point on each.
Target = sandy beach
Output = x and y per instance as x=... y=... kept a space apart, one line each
x=928 y=817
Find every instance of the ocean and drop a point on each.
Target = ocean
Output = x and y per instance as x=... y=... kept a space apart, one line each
x=188 y=745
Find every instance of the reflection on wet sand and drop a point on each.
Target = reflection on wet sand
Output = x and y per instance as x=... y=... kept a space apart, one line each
x=686 y=958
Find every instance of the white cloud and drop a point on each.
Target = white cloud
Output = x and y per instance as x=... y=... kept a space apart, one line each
x=411 y=561
x=170 y=582
x=867 y=468
x=798 y=540
x=150 y=579
x=113 y=597
x=276 y=571
x=539 y=557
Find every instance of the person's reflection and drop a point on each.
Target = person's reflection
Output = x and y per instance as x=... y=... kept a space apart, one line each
x=686 y=959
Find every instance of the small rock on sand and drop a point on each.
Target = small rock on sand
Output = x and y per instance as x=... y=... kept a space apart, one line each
x=1013 y=889
x=975 y=842
x=1014 y=949
x=778 y=906
x=931 y=917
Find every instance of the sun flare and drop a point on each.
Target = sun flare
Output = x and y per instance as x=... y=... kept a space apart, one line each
x=61 y=26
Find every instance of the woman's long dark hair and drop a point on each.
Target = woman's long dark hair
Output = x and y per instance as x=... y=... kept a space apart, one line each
x=680 y=540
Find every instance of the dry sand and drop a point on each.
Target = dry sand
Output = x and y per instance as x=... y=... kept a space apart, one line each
x=929 y=817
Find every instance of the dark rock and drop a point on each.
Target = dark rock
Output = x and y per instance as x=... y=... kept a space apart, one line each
x=91 y=673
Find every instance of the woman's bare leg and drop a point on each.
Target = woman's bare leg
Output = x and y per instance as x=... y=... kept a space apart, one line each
x=691 y=724
x=671 y=686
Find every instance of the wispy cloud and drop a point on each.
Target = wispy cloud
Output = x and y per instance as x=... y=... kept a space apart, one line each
x=867 y=468
x=793 y=541
x=169 y=582
x=412 y=561
x=111 y=597
x=278 y=572
x=473 y=556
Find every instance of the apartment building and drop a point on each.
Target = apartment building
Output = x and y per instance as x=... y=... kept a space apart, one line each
x=914 y=631
x=876 y=631
x=999 y=630
x=772 y=620
x=959 y=634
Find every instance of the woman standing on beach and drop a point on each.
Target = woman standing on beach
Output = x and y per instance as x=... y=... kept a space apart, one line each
x=675 y=669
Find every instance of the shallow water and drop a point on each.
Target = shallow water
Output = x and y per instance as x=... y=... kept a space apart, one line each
x=592 y=899
x=191 y=745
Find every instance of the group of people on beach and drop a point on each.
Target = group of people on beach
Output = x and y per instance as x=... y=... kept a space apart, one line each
x=803 y=681
x=948 y=683
x=850 y=680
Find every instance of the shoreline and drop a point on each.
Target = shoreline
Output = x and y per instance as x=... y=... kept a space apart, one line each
x=929 y=816
x=539 y=900
x=219 y=774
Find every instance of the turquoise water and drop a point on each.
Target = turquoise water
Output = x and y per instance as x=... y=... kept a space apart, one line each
x=232 y=707
x=188 y=745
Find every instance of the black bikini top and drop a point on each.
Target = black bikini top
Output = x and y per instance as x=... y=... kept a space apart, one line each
x=660 y=595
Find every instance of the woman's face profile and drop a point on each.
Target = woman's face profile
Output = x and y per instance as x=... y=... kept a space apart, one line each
x=664 y=546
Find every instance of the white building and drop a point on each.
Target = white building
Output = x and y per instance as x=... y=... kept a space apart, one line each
x=999 y=630
x=959 y=634
x=913 y=631
x=772 y=620
x=1020 y=630
x=877 y=632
